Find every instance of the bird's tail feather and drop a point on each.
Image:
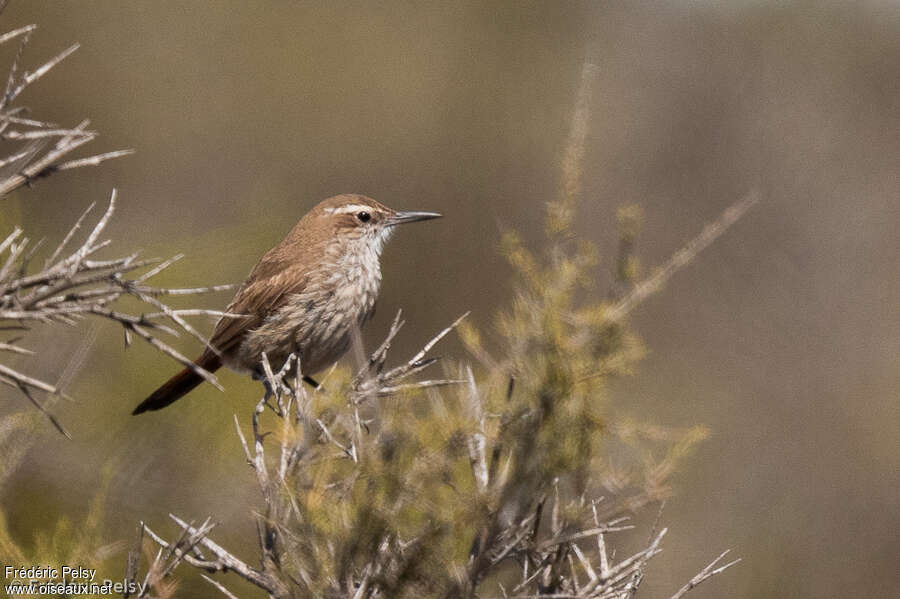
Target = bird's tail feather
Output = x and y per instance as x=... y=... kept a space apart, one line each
x=179 y=385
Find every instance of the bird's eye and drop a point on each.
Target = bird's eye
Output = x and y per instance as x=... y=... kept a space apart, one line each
x=364 y=217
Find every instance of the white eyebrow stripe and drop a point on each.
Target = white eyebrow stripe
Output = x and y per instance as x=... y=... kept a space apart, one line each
x=348 y=209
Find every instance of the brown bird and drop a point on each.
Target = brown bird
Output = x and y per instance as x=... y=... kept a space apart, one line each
x=305 y=296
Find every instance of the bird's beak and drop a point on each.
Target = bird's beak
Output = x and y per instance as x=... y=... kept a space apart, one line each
x=410 y=216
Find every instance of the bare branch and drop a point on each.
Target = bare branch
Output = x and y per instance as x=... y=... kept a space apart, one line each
x=219 y=586
x=94 y=160
x=226 y=560
x=31 y=161
x=30 y=78
x=371 y=382
x=705 y=574
x=70 y=287
x=16 y=33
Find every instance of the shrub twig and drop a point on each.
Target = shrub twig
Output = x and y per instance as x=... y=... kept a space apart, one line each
x=73 y=285
x=45 y=145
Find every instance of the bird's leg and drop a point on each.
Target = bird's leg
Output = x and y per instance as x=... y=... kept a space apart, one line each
x=259 y=376
x=306 y=378
x=269 y=393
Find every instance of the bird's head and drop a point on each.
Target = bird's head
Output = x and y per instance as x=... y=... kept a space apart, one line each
x=360 y=219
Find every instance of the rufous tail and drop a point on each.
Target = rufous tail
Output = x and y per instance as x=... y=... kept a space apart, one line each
x=179 y=385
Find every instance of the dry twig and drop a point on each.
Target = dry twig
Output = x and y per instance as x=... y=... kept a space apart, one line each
x=45 y=144
x=72 y=286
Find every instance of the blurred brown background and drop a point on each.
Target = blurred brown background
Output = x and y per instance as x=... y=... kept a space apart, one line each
x=783 y=338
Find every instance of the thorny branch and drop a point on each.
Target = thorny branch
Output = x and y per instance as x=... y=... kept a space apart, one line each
x=74 y=284
x=373 y=381
x=66 y=288
x=42 y=146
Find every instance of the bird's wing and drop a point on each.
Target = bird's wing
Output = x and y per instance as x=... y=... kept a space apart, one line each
x=254 y=301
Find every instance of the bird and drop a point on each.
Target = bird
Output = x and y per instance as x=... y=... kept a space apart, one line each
x=306 y=296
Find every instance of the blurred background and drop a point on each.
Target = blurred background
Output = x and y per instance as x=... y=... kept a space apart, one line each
x=783 y=338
